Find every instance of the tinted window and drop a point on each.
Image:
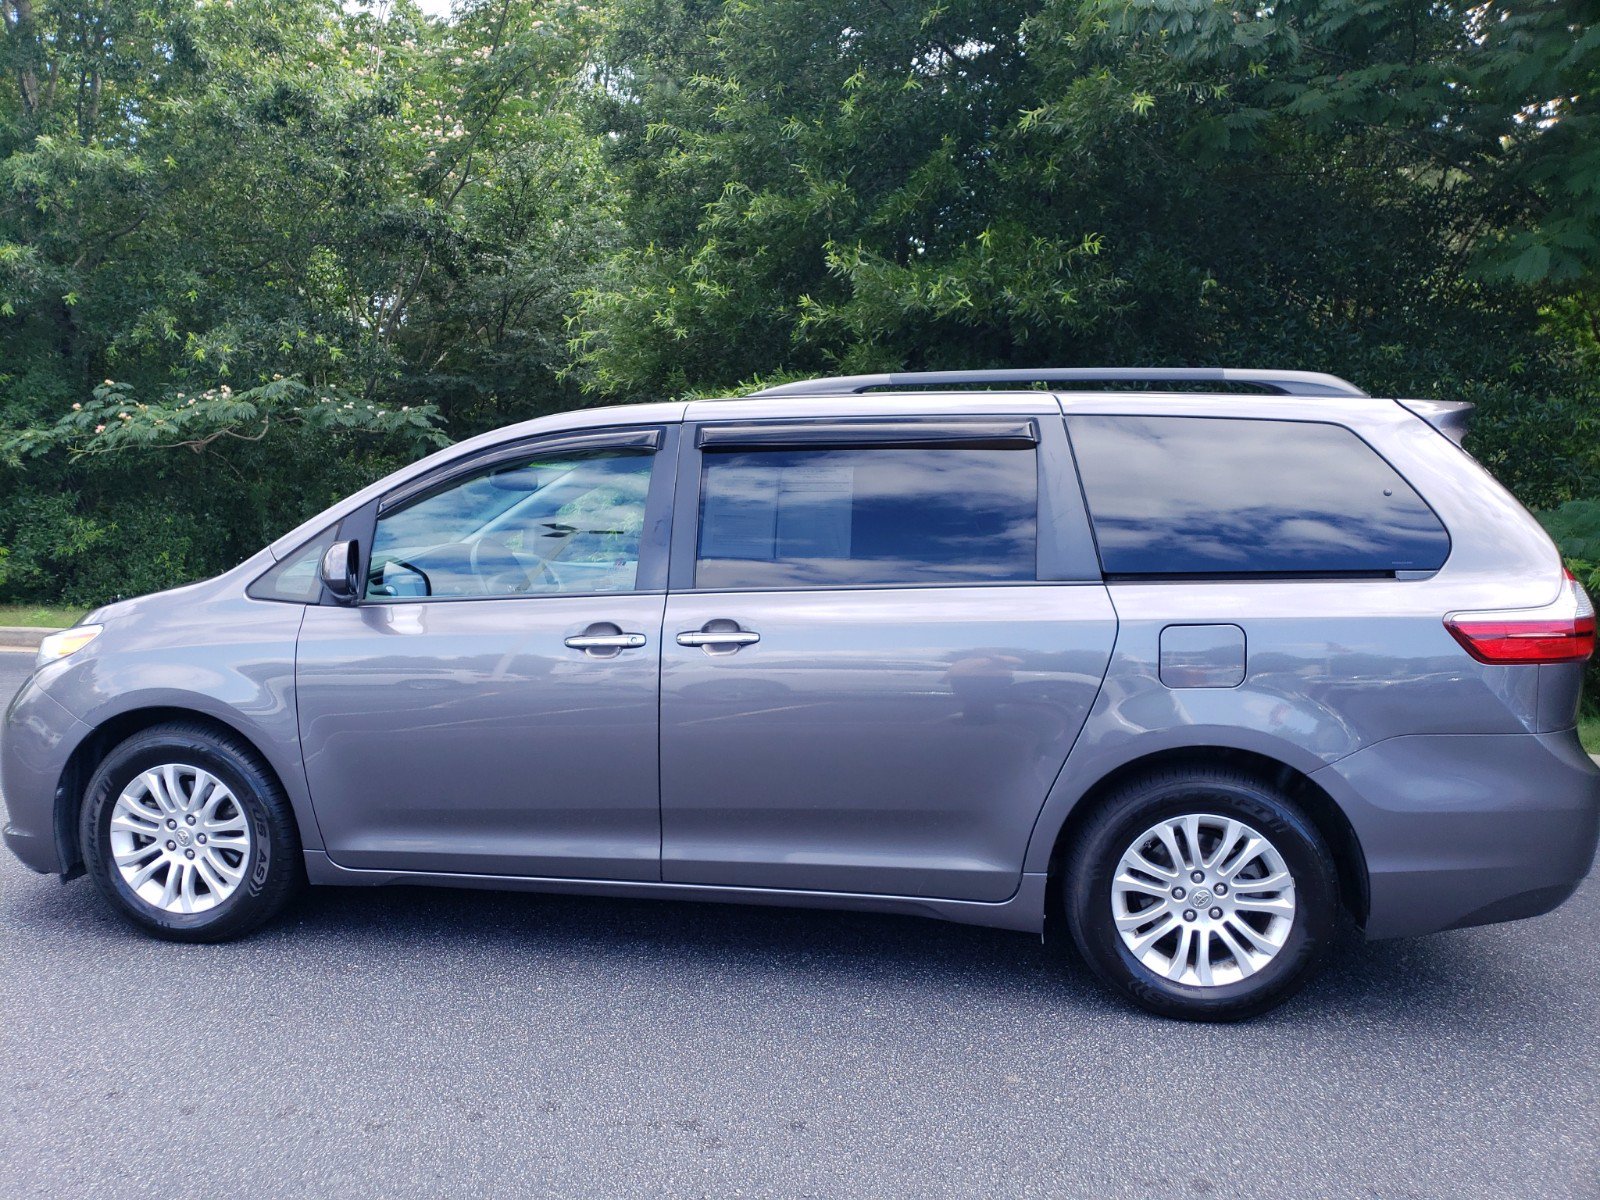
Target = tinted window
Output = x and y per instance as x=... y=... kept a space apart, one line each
x=554 y=523
x=1212 y=496
x=298 y=577
x=798 y=518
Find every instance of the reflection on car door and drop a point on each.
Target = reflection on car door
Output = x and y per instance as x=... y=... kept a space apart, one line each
x=866 y=687
x=491 y=706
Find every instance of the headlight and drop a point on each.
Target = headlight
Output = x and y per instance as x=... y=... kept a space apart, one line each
x=68 y=641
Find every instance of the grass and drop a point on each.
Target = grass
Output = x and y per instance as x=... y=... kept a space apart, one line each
x=38 y=615
x=1589 y=731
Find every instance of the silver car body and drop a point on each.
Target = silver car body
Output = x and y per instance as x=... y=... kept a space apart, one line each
x=918 y=749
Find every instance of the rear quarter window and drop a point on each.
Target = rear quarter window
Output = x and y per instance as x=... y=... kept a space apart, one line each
x=1209 y=496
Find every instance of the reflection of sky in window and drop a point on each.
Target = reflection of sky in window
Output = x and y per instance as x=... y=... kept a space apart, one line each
x=449 y=515
x=504 y=499
x=1184 y=495
x=814 y=517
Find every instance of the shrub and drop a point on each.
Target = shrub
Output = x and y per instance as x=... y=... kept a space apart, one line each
x=1575 y=526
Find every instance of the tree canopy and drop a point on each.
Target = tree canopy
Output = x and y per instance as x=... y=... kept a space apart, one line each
x=254 y=254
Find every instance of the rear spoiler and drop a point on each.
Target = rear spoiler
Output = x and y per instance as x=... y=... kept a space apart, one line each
x=1449 y=417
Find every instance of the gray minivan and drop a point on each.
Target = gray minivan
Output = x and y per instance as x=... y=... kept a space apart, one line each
x=1201 y=675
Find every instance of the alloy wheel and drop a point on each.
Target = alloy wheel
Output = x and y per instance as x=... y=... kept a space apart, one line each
x=1203 y=900
x=179 y=838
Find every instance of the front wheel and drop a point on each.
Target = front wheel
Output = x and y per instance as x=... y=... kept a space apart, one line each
x=188 y=835
x=1204 y=895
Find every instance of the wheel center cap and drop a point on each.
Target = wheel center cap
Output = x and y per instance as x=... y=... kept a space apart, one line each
x=1200 y=897
x=183 y=837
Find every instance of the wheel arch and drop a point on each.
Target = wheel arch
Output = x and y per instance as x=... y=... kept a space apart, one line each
x=111 y=732
x=1330 y=820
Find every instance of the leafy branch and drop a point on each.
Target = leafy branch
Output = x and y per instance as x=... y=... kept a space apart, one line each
x=116 y=420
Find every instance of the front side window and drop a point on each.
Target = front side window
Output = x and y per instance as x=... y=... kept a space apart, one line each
x=782 y=518
x=555 y=523
x=1226 y=496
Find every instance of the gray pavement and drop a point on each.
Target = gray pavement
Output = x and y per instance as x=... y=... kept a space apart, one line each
x=414 y=1042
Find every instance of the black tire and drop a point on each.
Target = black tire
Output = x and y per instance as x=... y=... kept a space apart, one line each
x=1113 y=829
x=272 y=867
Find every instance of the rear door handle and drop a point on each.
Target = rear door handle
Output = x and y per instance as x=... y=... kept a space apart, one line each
x=733 y=637
x=719 y=636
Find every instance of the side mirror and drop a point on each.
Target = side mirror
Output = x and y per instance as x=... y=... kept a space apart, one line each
x=341 y=567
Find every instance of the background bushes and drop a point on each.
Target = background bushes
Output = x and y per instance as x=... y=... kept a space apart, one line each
x=253 y=255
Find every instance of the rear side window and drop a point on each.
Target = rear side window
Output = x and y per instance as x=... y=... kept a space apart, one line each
x=870 y=515
x=1222 y=496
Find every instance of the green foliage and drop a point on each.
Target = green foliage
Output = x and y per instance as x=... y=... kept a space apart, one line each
x=1543 y=445
x=303 y=238
x=1497 y=100
x=39 y=616
x=1589 y=731
x=115 y=419
x=308 y=241
x=817 y=187
x=1575 y=526
x=989 y=183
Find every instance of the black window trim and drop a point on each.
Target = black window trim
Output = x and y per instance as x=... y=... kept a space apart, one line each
x=1066 y=551
x=977 y=433
x=1408 y=575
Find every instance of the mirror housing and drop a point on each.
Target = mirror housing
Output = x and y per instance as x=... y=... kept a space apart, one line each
x=341 y=569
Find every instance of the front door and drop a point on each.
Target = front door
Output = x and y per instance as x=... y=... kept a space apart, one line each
x=876 y=669
x=491 y=704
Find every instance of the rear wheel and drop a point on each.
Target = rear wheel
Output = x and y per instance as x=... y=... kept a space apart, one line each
x=1204 y=895
x=188 y=835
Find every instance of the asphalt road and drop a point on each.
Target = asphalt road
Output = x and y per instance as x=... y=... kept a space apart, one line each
x=417 y=1042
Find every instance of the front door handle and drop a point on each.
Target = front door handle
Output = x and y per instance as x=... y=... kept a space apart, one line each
x=606 y=641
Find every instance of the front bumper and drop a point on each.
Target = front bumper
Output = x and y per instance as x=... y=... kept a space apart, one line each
x=1468 y=829
x=35 y=745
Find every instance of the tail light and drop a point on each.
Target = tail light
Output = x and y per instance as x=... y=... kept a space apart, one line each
x=1562 y=632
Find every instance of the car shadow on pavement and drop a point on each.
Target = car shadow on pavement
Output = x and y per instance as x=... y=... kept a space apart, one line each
x=1472 y=976
x=803 y=942
x=1421 y=981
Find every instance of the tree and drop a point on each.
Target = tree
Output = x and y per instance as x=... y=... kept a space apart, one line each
x=300 y=238
x=253 y=254
x=816 y=187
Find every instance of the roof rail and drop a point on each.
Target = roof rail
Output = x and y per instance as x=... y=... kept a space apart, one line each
x=1282 y=383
